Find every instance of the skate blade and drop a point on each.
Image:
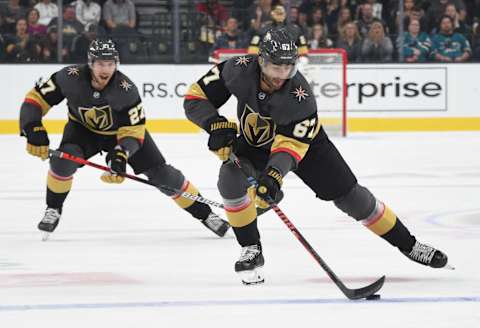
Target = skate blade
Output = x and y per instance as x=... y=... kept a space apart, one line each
x=45 y=236
x=252 y=277
x=449 y=267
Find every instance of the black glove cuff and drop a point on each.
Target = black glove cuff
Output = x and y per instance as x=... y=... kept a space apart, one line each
x=32 y=127
x=118 y=151
x=275 y=174
x=220 y=123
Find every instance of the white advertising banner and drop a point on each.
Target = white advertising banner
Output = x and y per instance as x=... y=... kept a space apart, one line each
x=374 y=90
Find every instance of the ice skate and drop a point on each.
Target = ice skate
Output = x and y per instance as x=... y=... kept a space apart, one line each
x=249 y=265
x=49 y=222
x=216 y=224
x=429 y=256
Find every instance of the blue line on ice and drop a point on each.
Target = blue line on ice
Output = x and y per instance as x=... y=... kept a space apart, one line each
x=164 y=304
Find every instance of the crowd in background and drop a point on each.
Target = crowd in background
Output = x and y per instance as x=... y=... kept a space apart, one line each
x=434 y=30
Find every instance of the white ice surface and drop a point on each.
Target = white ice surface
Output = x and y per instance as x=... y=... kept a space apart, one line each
x=126 y=256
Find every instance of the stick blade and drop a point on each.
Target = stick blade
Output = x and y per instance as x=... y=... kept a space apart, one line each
x=356 y=294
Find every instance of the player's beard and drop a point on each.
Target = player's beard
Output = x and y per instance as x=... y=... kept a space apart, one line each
x=101 y=80
x=273 y=84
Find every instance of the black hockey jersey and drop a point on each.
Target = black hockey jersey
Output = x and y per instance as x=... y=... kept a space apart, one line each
x=115 y=110
x=284 y=121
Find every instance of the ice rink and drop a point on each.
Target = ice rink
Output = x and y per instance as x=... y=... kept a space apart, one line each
x=126 y=256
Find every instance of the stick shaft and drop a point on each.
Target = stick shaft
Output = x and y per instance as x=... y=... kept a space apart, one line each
x=184 y=194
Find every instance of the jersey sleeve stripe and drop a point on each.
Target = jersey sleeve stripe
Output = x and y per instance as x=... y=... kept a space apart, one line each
x=291 y=146
x=35 y=98
x=195 y=92
x=295 y=155
x=136 y=131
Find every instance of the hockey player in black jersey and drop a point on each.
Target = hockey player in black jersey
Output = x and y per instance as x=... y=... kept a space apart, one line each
x=279 y=133
x=105 y=114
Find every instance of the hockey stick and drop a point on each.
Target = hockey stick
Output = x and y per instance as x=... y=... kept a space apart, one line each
x=184 y=194
x=353 y=294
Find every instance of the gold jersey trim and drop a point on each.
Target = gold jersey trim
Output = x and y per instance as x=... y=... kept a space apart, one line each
x=195 y=92
x=37 y=98
x=136 y=131
x=292 y=146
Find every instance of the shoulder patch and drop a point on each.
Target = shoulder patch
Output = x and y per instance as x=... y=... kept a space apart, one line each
x=300 y=93
x=73 y=71
x=242 y=61
x=125 y=85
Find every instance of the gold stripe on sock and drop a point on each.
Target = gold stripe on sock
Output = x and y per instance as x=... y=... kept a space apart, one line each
x=385 y=222
x=186 y=202
x=59 y=184
x=240 y=217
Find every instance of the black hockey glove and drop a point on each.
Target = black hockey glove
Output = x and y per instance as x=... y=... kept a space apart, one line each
x=37 y=139
x=268 y=188
x=222 y=136
x=117 y=162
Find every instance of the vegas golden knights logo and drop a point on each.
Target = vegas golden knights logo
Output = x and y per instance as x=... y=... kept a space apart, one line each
x=258 y=130
x=98 y=118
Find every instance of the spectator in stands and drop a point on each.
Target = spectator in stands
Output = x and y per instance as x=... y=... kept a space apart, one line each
x=2 y=48
x=294 y=19
x=119 y=16
x=319 y=39
x=348 y=4
x=308 y=6
x=476 y=43
x=71 y=26
x=214 y=11
x=2 y=24
x=2 y=39
x=377 y=47
x=34 y=28
x=351 y=41
x=212 y=19
x=436 y=8
x=302 y=22
x=366 y=19
x=416 y=13
x=11 y=12
x=332 y=10
x=317 y=17
x=240 y=11
x=344 y=17
x=458 y=25
x=448 y=46
x=408 y=6
x=416 y=44
x=47 y=10
x=88 y=12
x=82 y=42
x=260 y=15
x=19 y=47
x=377 y=8
x=232 y=38
x=50 y=47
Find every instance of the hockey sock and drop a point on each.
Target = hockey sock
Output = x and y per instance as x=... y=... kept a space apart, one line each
x=247 y=235
x=58 y=188
x=242 y=216
x=199 y=210
x=384 y=223
x=182 y=201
